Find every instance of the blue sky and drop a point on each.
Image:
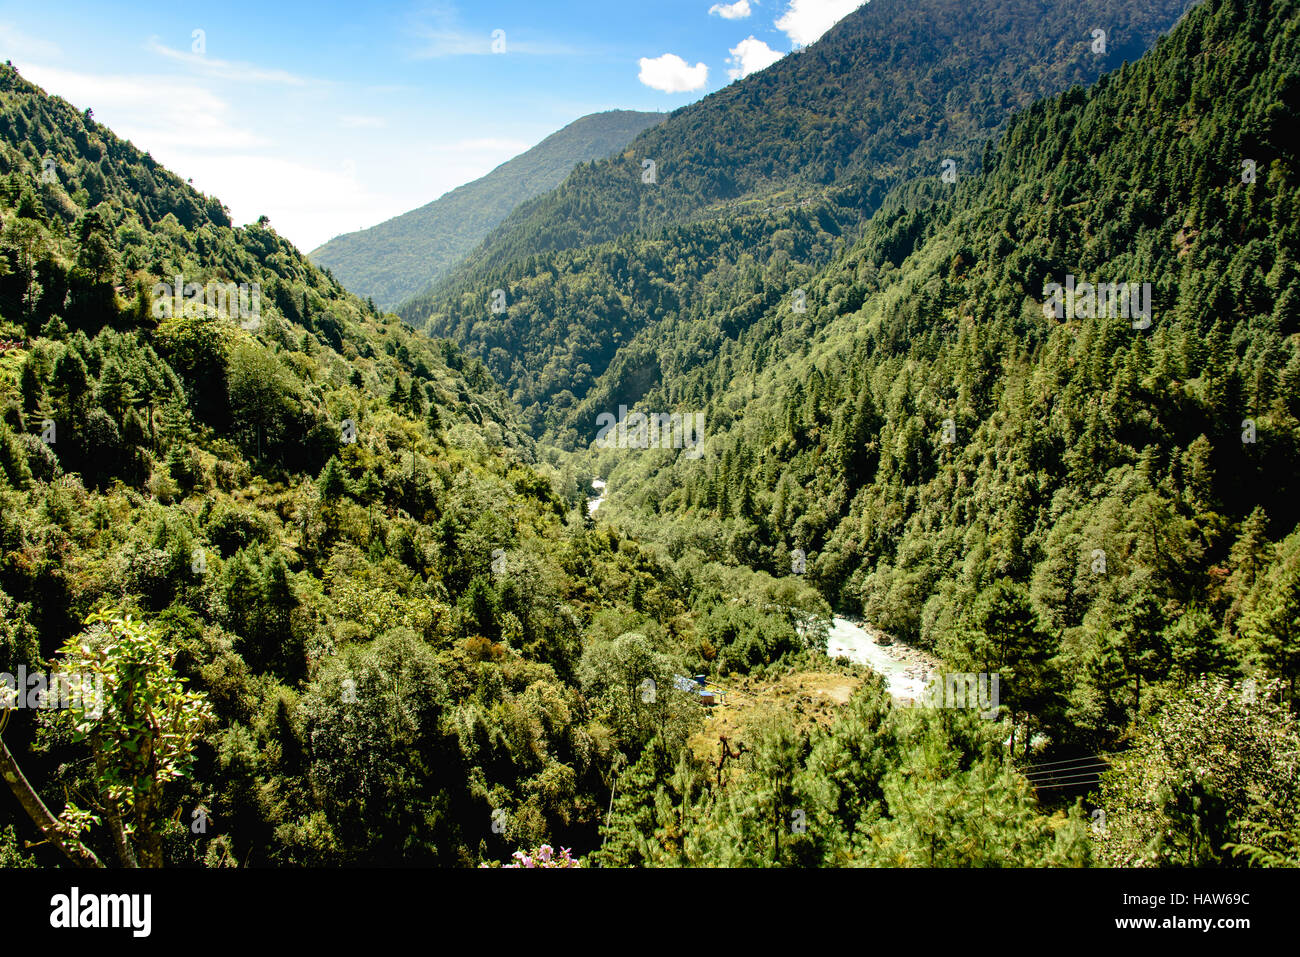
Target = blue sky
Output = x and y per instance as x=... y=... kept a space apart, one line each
x=328 y=117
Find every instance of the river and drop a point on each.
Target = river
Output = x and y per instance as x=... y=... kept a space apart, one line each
x=905 y=670
x=595 y=503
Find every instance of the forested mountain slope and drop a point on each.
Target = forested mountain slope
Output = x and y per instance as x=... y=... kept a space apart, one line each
x=753 y=186
x=402 y=641
x=340 y=612
x=402 y=256
x=291 y=510
x=1093 y=504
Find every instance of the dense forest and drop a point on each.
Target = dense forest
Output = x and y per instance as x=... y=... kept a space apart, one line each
x=753 y=186
x=334 y=595
x=1099 y=506
x=337 y=579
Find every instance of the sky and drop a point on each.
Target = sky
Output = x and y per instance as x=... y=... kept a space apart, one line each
x=331 y=117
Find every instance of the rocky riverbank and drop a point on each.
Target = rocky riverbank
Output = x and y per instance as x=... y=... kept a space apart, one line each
x=906 y=669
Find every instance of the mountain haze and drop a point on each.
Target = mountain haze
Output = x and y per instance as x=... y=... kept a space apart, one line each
x=401 y=256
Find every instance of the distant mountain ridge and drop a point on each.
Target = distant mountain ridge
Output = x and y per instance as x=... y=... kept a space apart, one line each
x=931 y=423
x=769 y=174
x=403 y=255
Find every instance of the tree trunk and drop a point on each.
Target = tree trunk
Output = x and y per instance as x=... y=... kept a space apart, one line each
x=120 y=842
x=776 y=834
x=75 y=851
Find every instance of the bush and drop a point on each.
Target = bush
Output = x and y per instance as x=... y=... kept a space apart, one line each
x=232 y=529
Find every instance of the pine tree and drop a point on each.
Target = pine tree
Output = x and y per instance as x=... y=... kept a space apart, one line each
x=415 y=399
x=397 y=396
x=71 y=383
x=114 y=392
x=1250 y=554
x=333 y=481
x=29 y=385
x=1272 y=626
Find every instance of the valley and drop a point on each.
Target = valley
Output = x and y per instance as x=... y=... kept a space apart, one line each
x=925 y=416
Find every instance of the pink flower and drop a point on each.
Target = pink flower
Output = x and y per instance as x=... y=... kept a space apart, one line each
x=544 y=856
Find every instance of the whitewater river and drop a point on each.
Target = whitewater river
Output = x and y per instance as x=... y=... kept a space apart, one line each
x=904 y=669
x=594 y=503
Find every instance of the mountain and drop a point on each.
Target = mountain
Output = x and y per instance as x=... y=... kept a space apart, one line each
x=401 y=256
x=982 y=455
x=347 y=611
x=344 y=610
x=756 y=185
x=267 y=493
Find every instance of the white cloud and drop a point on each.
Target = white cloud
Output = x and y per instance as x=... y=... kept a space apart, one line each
x=225 y=69
x=750 y=56
x=14 y=43
x=440 y=43
x=227 y=149
x=671 y=74
x=807 y=20
x=438 y=32
x=732 y=11
x=290 y=193
x=153 y=112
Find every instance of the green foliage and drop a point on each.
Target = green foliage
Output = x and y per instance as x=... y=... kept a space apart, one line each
x=881 y=786
x=11 y=855
x=744 y=637
x=130 y=708
x=18 y=639
x=632 y=691
x=614 y=286
x=1272 y=625
x=378 y=747
x=372 y=624
x=1215 y=769
x=927 y=431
